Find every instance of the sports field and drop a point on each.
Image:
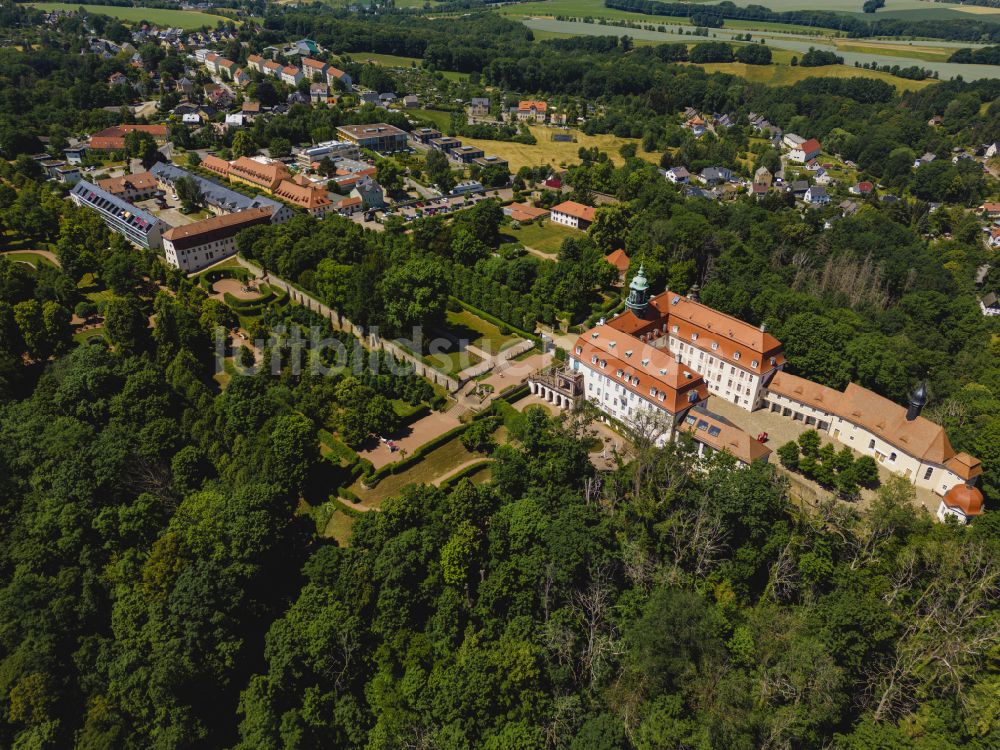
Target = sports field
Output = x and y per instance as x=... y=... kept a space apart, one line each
x=182 y=19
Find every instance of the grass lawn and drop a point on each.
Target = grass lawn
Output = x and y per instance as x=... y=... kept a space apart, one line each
x=184 y=19
x=340 y=525
x=478 y=332
x=26 y=256
x=437 y=463
x=84 y=337
x=93 y=289
x=223 y=378
x=546 y=237
x=556 y=153
x=440 y=119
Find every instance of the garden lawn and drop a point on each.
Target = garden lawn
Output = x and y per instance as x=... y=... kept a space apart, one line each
x=439 y=118
x=27 y=256
x=340 y=525
x=184 y=19
x=481 y=333
x=398 y=61
x=436 y=464
x=546 y=237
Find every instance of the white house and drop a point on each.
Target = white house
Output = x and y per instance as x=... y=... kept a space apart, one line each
x=572 y=214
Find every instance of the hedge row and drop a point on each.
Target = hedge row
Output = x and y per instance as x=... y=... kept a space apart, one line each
x=496 y=321
x=372 y=480
x=216 y=274
x=465 y=473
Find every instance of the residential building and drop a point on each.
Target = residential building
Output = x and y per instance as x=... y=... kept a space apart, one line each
x=990 y=304
x=312 y=68
x=479 y=106
x=291 y=75
x=411 y=101
x=134 y=224
x=531 y=111
x=349 y=206
x=68 y=175
x=215 y=165
x=256 y=62
x=258 y=171
x=763 y=176
x=792 y=140
x=131 y=187
x=817 y=195
x=377 y=136
x=271 y=68
x=862 y=188
x=805 y=151
x=425 y=135
x=319 y=93
x=466 y=154
x=387 y=98
x=714 y=175
x=445 y=143
x=75 y=154
x=192 y=247
x=677 y=175
x=335 y=76
x=901 y=440
x=490 y=161
x=573 y=214
x=370 y=193
x=990 y=210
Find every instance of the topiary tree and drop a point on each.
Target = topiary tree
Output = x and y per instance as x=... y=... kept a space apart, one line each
x=809 y=442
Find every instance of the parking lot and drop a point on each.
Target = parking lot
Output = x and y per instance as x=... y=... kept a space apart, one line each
x=172 y=213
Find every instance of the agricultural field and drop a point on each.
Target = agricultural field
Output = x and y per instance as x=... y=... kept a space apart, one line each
x=786 y=75
x=556 y=153
x=183 y=19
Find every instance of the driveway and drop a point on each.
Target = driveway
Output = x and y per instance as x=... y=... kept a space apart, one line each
x=410 y=438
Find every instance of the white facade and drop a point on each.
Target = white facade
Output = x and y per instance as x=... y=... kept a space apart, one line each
x=925 y=474
x=200 y=256
x=567 y=220
x=724 y=379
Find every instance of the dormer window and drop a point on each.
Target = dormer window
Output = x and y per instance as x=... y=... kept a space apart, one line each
x=754 y=363
x=694 y=336
x=715 y=345
x=628 y=352
x=663 y=371
x=635 y=380
x=774 y=361
x=674 y=329
x=594 y=335
x=645 y=363
x=593 y=360
x=736 y=356
x=579 y=350
x=611 y=344
x=660 y=395
x=652 y=391
x=604 y=363
x=619 y=372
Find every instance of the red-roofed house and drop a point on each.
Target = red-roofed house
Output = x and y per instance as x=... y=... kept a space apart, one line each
x=531 y=110
x=573 y=214
x=619 y=260
x=805 y=151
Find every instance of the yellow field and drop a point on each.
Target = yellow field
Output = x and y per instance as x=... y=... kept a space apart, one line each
x=786 y=75
x=547 y=151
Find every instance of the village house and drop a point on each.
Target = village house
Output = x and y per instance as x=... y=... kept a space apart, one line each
x=531 y=111
x=572 y=214
x=479 y=106
x=113 y=138
x=805 y=151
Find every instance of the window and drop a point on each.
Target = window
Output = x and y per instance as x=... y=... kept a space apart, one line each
x=754 y=363
x=694 y=336
x=579 y=350
x=593 y=360
x=736 y=356
x=927 y=474
x=673 y=329
x=715 y=345
x=871 y=444
x=892 y=456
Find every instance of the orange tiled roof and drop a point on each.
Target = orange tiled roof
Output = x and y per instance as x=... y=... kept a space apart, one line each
x=307 y=196
x=119 y=185
x=215 y=164
x=215 y=227
x=525 y=212
x=805 y=391
x=308 y=62
x=577 y=210
x=265 y=174
x=643 y=368
x=729 y=437
x=967 y=499
x=527 y=105
x=619 y=260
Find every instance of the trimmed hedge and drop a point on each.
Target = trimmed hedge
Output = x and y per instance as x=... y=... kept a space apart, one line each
x=496 y=321
x=372 y=480
x=468 y=471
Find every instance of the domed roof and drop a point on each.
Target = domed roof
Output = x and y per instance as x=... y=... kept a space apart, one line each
x=919 y=394
x=967 y=499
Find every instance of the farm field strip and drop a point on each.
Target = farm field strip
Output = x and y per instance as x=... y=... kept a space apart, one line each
x=183 y=19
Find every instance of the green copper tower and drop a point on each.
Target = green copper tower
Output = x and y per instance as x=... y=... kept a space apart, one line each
x=638 y=295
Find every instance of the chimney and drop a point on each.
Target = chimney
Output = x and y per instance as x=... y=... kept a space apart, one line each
x=763 y=327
